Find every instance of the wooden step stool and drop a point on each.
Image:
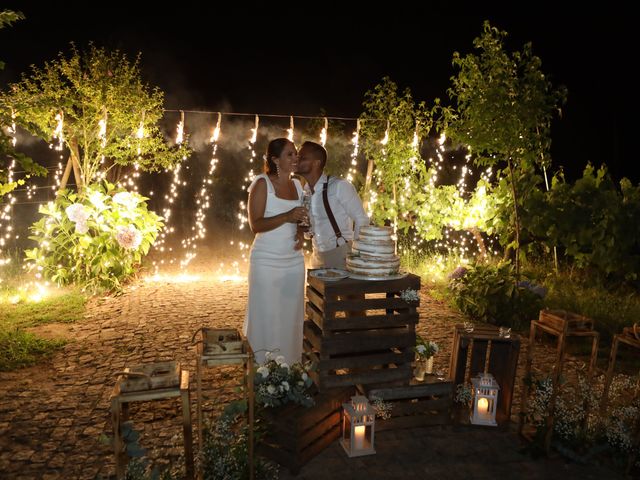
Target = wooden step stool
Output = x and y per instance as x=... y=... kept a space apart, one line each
x=225 y=346
x=630 y=336
x=145 y=383
x=562 y=325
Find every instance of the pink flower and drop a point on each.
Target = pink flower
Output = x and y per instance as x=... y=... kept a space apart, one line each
x=128 y=237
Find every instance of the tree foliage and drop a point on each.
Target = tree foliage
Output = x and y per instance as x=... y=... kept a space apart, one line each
x=502 y=110
x=389 y=123
x=88 y=90
x=8 y=154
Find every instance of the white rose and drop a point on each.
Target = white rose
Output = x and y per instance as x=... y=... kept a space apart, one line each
x=264 y=371
x=285 y=385
x=271 y=389
x=421 y=349
x=268 y=356
x=279 y=359
x=285 y=365
x=305 y=376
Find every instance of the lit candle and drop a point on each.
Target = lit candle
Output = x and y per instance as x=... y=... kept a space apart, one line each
x=359 y=440
x=483 y=406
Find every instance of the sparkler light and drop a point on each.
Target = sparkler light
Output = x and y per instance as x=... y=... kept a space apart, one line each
x=323 y=133
x=354 y=154
x=290 y=129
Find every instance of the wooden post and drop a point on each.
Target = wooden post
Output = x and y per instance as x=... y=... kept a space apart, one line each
x=186 y=423
x=76 y=173
x=526 y=379
x=65 y=175
x=250 y=401
x=367 y=184
x=555 y=379
x=118 y=445
x=199 y=402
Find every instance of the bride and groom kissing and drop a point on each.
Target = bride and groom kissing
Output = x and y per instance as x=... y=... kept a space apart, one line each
x=275 y=305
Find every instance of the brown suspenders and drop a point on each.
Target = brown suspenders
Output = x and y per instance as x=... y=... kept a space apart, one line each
x=327 y=207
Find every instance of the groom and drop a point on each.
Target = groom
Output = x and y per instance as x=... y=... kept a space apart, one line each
x=336 y=210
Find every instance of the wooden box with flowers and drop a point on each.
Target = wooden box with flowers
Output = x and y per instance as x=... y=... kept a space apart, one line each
x=361 y=332
x=297 y=433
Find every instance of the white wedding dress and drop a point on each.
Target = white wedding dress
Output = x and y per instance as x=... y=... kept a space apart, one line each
x=275 y=307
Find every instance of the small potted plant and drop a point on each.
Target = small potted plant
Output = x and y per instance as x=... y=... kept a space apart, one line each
x=425 y=350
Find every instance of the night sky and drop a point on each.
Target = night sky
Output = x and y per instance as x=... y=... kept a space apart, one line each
x=295 y=62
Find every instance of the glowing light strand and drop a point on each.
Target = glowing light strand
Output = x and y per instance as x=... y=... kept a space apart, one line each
x=203 y=202
x=351 y=175
x=323 y=133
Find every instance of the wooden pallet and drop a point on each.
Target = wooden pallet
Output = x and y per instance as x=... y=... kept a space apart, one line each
x=296 y=434
x=418 y=404
x=502 y=362
x=360 y=332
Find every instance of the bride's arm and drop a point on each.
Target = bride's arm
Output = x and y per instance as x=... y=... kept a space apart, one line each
x=257 y=204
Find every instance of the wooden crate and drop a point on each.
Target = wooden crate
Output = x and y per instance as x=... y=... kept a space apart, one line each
x=418 y=404
x=556 y=319
x=502 y=362
x=219 y=341
x=296 y=434
x=360 y=340
x=150 y=376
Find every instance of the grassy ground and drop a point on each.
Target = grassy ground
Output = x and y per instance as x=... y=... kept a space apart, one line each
x=23 y=307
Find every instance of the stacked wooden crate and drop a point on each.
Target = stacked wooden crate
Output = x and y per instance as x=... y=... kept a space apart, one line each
x=418 y=404
x=297 y=434
x=483 y=349
x=360 y=332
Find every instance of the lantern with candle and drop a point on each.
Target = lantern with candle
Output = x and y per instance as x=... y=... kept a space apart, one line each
x=358 y=427
x=485 y=399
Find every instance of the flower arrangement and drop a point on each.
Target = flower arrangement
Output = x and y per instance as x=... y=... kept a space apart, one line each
x=383 y=409
x=463 y=394
x=410 y=296
x=579 y=425
x=278 y=383
x=425 y=348
x=95 y=239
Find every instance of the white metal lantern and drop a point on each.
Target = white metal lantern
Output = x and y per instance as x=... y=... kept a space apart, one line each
x=485 y=399
x=358 y=427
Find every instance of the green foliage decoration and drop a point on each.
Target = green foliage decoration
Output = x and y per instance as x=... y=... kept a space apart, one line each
x=503 y=105
x=490 y=293
x=88 y=89
x=8 y=153
x=96 y=239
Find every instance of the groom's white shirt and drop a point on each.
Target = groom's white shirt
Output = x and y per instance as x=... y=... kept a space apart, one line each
x=347 y=210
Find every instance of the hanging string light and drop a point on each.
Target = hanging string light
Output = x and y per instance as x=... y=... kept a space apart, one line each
x=242 y=213
x=180 y=129
x=58 y=133
x=170 y=198
x=290 y=129
x=323 y=133
x=203 y=202
x=354 y=154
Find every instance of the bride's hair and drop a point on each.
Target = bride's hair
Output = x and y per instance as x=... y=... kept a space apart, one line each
x=275 y=148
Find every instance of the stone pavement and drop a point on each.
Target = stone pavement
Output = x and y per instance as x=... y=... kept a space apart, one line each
x=54 y=417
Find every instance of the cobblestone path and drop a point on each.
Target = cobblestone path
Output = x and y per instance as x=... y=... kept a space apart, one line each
x=54 y=417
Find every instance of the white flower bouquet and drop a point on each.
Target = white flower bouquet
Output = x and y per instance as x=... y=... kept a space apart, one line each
x=278 y=383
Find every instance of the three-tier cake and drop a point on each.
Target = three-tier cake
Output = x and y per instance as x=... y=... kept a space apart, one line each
x=373 y=253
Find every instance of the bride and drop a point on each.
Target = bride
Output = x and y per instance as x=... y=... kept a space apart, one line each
x=275 y=307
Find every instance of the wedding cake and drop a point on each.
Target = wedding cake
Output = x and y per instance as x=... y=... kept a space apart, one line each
x=373 y=253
